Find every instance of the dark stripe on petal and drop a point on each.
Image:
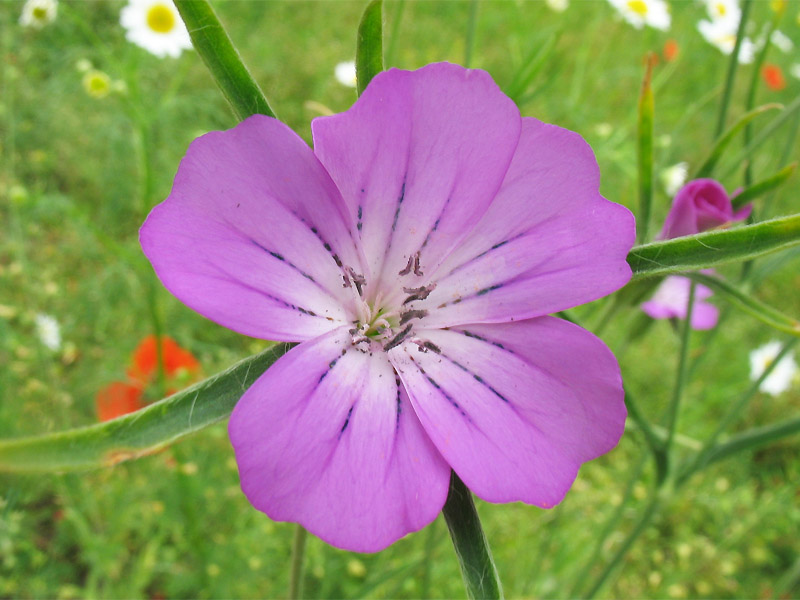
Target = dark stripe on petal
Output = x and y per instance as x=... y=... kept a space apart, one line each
x=481 y=338
x=346 y=421
x=281 y=258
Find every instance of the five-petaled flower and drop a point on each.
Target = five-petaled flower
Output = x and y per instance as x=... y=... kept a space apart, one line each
x=415 y=254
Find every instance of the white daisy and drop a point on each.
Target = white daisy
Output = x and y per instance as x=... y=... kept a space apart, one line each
x=156 y=26
x=781 y=377
x=794 y=71
x=723 y=35
x=38 y=13
x=48 y=331
x=558 y=5
x=782 y=41
x=673 y=178
x=724 y=10
x=653 y=13
x=345 y=73
x=96 y=83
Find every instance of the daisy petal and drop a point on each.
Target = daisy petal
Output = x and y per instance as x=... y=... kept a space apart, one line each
x=327 y=438
x=515 y=408
x=253 y=233
x=548 y=242
x=418 y=160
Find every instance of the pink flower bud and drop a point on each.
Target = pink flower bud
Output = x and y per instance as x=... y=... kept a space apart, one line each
x=700 y=205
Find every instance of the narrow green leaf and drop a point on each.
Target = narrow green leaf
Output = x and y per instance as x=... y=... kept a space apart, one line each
x=472 y=549
x=775 y=126
x=754 y=438
x=764 y=186
x=644 y=149
x=694 y=252
x=369 y=46
x=726 y=138
x=218 y=53
x=530 y=68
x=142 y=432
x=763 y=312
x=733 y=65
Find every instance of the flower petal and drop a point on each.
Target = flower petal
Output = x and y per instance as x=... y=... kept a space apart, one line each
x=515 y=408
x=327 y=438
x=253 y=233
x=548 y=242
x=418 y=159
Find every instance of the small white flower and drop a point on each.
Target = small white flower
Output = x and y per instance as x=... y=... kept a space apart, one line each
x=780 y=379
x=156 y=26
x=653 y=13
x=345 y=73
x=673 y=178
x=49 y=331
x=603 y=130
x=724 y=10
x=723 y=35
x=782 y=41
x=794 y=70
x=558 y=5
x=38 y=13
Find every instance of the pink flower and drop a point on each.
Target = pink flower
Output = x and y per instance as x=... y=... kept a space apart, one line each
x=700 y=205
x=414 y=253
x=672 y=299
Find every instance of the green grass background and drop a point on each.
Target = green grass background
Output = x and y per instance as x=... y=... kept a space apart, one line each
x=78 y=175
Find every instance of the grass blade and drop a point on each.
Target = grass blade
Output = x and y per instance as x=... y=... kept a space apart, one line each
x=764 y=186
x=733 y=64
x=763 y=312
x=369 y=46
x=218 y=53
x=142 y=432
x=725 y=139
x=530 y=68
x=703 y=250
x=644 y=147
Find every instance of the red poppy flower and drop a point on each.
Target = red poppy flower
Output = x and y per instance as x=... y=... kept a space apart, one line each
x=145 y=360
x=671 y=50
x=117 y=399
x=773 y=77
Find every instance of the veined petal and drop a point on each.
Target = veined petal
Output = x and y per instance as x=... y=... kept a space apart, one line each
x=549 y=241
x=327 y=438
x=515 y=408
x=253 y=234
x=418 y=160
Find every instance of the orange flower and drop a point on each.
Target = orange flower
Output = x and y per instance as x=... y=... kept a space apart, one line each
x=671 y=50
x=176 y=360
x=773 y=77
x=123 y=397
x=118 y=399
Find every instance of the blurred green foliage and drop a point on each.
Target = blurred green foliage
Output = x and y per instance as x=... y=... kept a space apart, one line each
x=78 y=174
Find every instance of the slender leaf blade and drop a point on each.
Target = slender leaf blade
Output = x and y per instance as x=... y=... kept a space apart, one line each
x=222 y=59
x=369 y=46
x=644 y=149
x=764 y=186
x=761 y=311
x=694 y=252
x=726 y=138
x=142 y=432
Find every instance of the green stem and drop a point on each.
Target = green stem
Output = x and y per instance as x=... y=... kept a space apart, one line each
x=472 y=549
x=732 y=66
x=298 y=556
x=754 y=438
x=369 y=45
x=397 y=18
x=469 y=44
x=653 y=442
x=641 y=525
x=223 y=61
x=680 y=380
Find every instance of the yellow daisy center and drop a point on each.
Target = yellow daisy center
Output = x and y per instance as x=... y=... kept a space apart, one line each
x=39 y=13
x=721 y=9
x=638 y=6
x=160 y=18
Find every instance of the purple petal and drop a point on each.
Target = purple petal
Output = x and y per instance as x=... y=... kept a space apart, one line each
x=549 y=241
x=671 y=299
x=515 y=408
x=418 y=160
x=327 y=438
x=252 y=233
x=700 y=205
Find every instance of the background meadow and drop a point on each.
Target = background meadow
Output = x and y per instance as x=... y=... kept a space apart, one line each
x=79 y=171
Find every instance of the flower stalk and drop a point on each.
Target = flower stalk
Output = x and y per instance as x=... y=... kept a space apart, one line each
x=472 y=549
